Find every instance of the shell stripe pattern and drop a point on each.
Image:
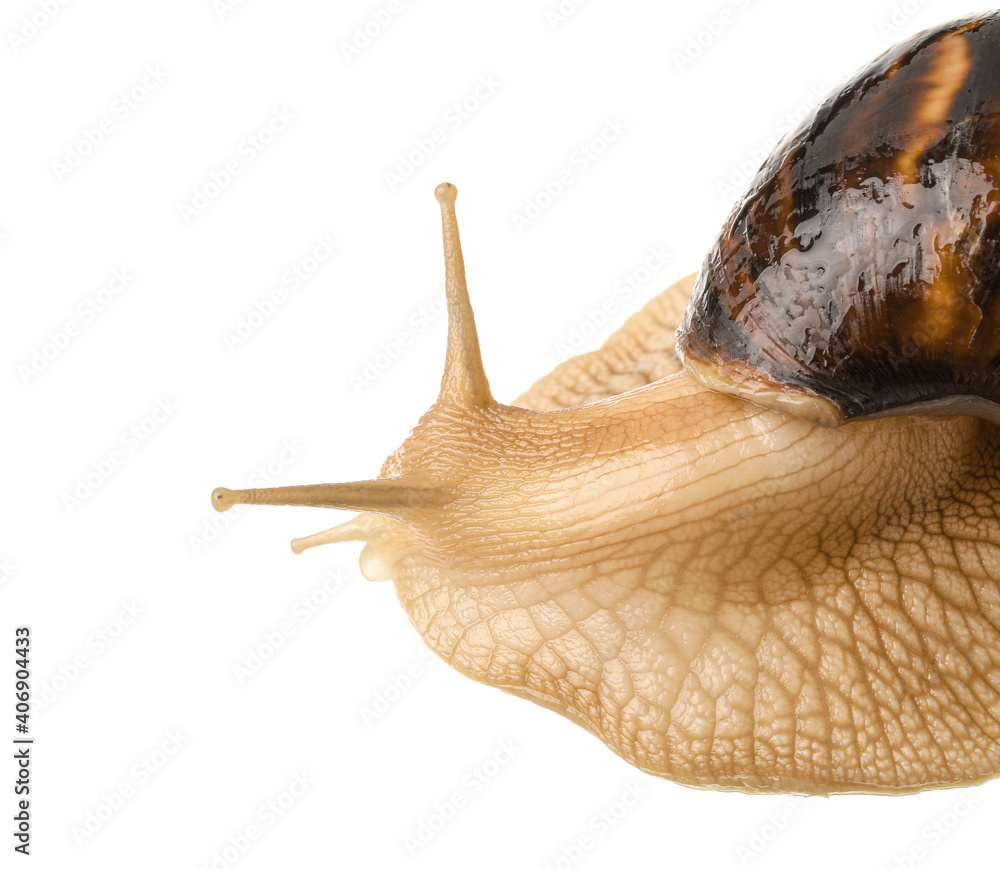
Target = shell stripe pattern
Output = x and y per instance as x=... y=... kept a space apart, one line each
x=862 y=265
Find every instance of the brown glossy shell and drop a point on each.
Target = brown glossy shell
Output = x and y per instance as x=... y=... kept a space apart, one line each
x=860 y=274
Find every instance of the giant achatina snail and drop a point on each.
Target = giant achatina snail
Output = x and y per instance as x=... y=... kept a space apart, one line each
x=793 y=587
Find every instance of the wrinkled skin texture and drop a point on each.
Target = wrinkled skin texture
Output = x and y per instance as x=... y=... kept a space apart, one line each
x=725 y=595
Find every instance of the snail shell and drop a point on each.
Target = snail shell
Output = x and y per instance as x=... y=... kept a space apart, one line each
x=859 y=276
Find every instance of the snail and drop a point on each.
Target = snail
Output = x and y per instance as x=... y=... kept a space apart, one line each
x=765 y=555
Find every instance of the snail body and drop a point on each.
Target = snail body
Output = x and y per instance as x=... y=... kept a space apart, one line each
x=799 y=592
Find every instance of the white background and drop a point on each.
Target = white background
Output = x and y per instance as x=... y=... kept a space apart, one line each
x=114 y=688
